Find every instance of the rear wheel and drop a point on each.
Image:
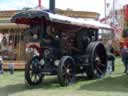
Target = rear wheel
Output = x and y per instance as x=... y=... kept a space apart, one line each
x=66 y=71
x=97 y=60
x=33 y=74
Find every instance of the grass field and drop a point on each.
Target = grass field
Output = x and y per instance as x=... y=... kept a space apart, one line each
x=115 y=84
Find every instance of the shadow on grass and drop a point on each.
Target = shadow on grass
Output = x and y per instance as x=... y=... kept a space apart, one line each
x=110 y=84
x=51 y=83
x=47 y=84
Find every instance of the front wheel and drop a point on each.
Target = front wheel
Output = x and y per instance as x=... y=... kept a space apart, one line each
x=33 y=74
x=66 y=71
x=97 y=60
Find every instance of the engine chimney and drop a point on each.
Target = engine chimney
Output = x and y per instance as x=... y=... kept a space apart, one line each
x=52 y=5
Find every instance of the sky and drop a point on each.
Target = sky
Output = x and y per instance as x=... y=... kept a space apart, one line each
x=82 y=5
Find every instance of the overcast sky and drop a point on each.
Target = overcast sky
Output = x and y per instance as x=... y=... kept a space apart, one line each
x=84 y=5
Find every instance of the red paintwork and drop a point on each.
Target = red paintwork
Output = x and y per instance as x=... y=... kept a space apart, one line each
x=35 y=46
x=31 y=21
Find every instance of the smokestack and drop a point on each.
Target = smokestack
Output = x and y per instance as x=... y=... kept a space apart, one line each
x=52 y=5
x=39 y=3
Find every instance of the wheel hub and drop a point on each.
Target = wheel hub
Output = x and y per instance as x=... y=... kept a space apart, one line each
x=98 y=61
x=68 y=71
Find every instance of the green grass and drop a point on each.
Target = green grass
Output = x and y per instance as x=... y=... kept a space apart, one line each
x=115 y=84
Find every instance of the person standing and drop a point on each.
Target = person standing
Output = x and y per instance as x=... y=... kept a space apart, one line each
x=11 y=68
x=110 y=54
x=1 y=65
x=124 y=55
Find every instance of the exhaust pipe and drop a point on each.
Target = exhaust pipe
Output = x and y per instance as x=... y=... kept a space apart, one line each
x=52 y=6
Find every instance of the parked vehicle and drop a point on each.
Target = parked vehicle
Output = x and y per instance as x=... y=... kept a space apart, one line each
x=62 y=46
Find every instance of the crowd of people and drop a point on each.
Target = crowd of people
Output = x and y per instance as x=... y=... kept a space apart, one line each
x=6 y=47
x=111 y=57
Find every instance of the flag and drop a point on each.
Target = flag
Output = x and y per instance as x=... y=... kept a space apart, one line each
x=116 y=28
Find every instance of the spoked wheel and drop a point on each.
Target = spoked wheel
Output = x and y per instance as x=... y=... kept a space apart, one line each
x=99 y=63
x=97 y=60
x=33 y=74
x=66 y=71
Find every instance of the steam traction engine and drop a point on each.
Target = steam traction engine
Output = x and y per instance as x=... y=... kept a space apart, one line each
x=62 y=46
